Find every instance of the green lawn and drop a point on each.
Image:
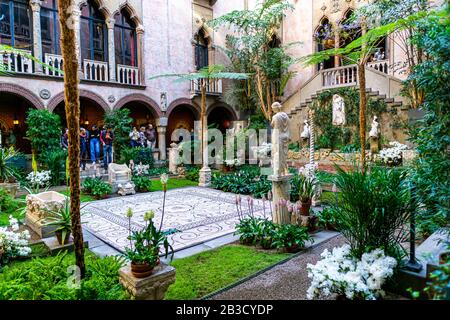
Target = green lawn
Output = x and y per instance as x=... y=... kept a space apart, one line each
x=172 y=184
x=209 y=271
x=83 y=197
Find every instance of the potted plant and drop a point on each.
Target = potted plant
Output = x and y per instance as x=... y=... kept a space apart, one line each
x=62 y=221
x=8 y=171
x=306 y=187
x=145 y=247
x=290 y=237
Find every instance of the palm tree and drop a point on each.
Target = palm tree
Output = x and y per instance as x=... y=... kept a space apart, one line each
x=72 y=102
x=204 y=76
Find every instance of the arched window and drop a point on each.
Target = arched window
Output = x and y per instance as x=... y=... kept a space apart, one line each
x=50 y=32
x=15 y=24
x=93 y=33
x=324 y=37
x=125 y=40
x=201 y=50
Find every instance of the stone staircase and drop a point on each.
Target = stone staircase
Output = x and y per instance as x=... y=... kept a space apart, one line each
x=380 y=85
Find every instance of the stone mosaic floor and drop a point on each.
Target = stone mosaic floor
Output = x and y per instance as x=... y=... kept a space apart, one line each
x=198 y=214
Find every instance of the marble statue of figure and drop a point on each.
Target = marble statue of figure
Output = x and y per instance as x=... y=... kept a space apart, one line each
x=338 y=110
x=306 y=131
x=374 y=130
x=163 y=101
x=280 y=140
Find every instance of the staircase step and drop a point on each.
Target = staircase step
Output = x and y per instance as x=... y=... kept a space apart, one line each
x=389 y=100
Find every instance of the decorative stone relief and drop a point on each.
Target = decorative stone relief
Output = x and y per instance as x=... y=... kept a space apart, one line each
x=45 y=94
x=111 y=99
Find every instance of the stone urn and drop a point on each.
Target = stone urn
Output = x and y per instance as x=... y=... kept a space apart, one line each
x=39 y=207
x=11 y=188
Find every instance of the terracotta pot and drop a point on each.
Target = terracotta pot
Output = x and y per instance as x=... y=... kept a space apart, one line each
x=292 y=249
x=305 y=207
x=141 y=270
x=60 y=239
x=444 y=257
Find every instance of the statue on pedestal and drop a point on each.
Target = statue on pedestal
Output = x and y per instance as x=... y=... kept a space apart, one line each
x=374 y=135
x=338 y=110
x=280 y=140
x=306 y=131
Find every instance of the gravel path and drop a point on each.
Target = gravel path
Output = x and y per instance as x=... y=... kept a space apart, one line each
x=288 y=281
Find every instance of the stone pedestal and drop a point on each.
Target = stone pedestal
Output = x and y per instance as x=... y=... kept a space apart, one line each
x=204 y=177
x=126 y=189
x=374 y=145
x=280 y=190
x=39 y=207
x=173 y=157
x=118 y=174
x=153 y=287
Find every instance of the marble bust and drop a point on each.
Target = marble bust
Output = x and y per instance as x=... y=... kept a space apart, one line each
x=280 y=140
x=338 y=110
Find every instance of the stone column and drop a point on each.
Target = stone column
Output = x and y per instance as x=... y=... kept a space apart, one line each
x=337 y=58
x=37 y=43
x=111 y=49
x=318 y=190
x=205 y=171
x=161 y=124
x=174 y=153
x=140 y=53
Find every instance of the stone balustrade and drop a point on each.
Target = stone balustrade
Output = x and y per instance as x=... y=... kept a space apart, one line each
x=55 y=61
x=340 y=76
x=213 y=86
x=17 y=61
x=127 y=74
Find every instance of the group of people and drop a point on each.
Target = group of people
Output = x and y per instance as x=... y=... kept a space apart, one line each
x=93 y=139
x=144 y=137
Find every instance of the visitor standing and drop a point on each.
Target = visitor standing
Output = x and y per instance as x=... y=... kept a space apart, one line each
x=150 y=134
x=83 y=148
x=134 y=138
x=142 y=138
x=65 y=139
x=94 y=144
x=107 y=139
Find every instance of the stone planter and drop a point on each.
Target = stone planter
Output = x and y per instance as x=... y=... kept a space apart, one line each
x=153 y=287
x=12 y=188
x=38 y=207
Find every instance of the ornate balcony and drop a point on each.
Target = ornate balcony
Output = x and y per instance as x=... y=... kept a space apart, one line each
x=213 y=86
x=16 y=62
x=127 y=75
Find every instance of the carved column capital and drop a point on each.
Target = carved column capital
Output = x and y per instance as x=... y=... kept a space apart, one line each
x=35 y=5
x=110 y=23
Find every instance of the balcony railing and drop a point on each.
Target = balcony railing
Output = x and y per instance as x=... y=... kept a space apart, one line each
x=55 y=61
x=127 y=74
x=213 y=86
x=382 y=66
x=340 y=76
x=16 y=62
x=95 y=70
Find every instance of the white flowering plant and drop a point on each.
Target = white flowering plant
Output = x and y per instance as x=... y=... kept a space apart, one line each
x=12 y=242
x=393 y=155
x=39 y=178
x=141 y=170
x=233 y=163
x=340 y=273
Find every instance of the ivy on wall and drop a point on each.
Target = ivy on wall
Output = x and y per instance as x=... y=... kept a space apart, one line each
x=346 y=136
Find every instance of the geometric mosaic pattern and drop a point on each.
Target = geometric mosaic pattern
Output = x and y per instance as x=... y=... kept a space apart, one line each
x=199 y=214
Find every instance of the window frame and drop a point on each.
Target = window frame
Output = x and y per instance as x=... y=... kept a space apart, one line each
x=91 y=23
x=123 y=28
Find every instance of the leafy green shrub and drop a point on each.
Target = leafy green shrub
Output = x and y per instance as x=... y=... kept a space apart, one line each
x=192 y=173
x=326 y=219
x=56 y=163
x=138 y=155
x=7 y=203
x=44 y=131
x=8 y=172
x=372 y=211
x=120 y=122
x=247 y=230
x=96 y=187
x=142 y=183
x=47 y=279
x=158 y=171
x=290 y=237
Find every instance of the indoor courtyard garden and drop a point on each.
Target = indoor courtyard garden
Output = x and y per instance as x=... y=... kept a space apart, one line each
x=224 y=150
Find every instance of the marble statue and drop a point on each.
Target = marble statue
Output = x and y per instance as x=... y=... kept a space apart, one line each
x=375 y=129
x=306 y=131
x=338 y=110
x=280 y=140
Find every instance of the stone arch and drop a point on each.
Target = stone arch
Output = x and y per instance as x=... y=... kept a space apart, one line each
x=187 y=102
x=101 y=6
x=131 y=11
x=346 y=15
x=23 y=93
x=139 y=97
x=83 y=94
x=225 y=106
